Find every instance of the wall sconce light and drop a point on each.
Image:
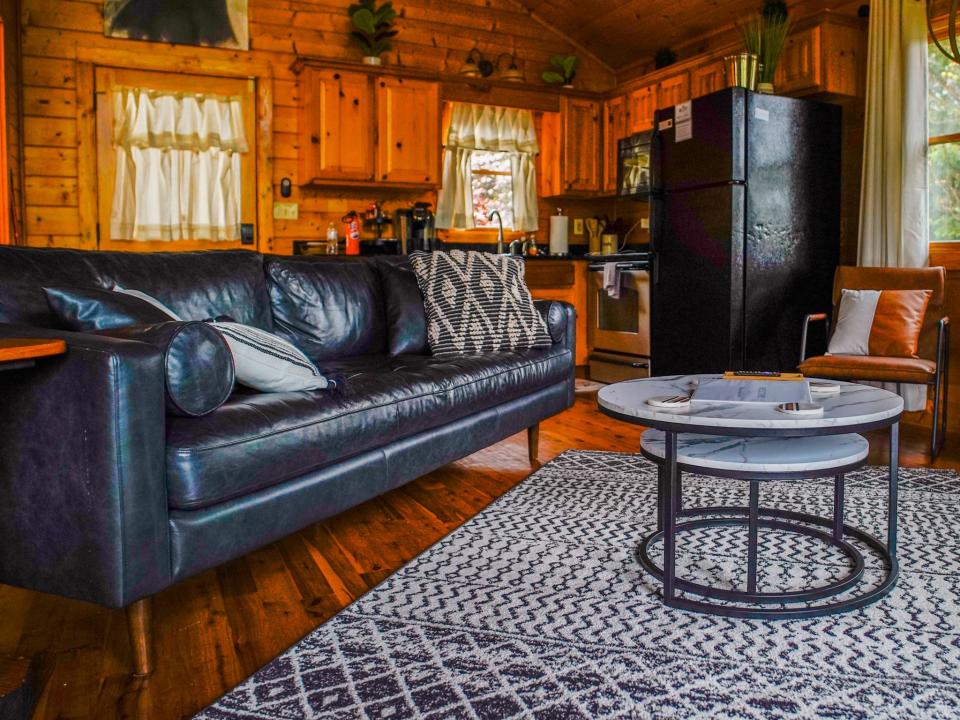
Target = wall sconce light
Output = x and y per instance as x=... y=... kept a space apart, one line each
x=476 y=66
x=512 y=73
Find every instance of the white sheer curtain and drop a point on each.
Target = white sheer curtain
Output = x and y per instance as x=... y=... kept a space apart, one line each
x=496 y=129
x=177 y=166
x=893 y=198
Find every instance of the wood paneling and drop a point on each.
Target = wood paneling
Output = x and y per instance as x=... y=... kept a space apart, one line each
x=433 y=37
x=215 y=629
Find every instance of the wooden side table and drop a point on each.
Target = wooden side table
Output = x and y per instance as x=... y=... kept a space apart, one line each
x=21 y=680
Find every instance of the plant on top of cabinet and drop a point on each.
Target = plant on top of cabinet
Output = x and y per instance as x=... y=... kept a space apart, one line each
x=562 y=71
x=374 y=26
x=664 y=57
x=765 y=36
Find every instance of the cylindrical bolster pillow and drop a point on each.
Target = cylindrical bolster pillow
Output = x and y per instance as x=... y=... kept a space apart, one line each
x=197 y=363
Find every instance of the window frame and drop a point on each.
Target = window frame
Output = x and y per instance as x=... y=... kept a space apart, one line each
x=941 y=252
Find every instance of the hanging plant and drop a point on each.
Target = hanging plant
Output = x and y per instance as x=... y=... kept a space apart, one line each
x=664 y=57
x=374 y=27
x=562 y=70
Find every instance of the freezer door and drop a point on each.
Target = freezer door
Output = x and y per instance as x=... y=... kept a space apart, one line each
x=697 y=299
x=793 y=223
x=714 y=151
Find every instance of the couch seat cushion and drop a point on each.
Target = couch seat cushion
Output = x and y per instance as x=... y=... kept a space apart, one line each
x=870 y=367
x=257 y=440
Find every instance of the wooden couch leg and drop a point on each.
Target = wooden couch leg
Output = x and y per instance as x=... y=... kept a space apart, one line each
x=140 y=627
x=533 y=444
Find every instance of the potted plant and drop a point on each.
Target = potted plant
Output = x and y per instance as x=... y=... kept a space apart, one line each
x=562 y=70
x=374 y=26
x=765 y=35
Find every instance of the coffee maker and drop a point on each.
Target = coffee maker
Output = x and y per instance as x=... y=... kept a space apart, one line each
x=415 y=229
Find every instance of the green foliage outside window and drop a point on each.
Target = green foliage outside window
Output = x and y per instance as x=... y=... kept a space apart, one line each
x=943 y=160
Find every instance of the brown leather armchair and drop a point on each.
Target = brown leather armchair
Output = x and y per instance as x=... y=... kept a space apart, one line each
x=932 y=365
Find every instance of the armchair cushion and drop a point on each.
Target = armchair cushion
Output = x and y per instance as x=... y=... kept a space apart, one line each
x=197 y=364
x=870 y=367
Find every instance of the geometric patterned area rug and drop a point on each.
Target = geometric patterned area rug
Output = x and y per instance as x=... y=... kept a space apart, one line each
x=537 y=608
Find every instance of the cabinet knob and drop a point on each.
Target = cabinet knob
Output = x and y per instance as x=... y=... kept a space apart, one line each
x=427 y=178
x=399 y=145
x=356 y=102
x=314 y=139
x=341 y=94
x=384 y=176
x=382 y=84
x=336 y=76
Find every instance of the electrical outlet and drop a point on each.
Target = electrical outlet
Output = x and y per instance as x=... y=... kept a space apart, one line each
x=578 y=226
x=645 y=223
x=286 y=211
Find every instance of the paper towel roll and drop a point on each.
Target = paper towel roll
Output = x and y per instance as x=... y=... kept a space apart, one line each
x=559 y=229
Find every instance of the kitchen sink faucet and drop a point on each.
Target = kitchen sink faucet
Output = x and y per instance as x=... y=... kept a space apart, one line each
x=499 y=231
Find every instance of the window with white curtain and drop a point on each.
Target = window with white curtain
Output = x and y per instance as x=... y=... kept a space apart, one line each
x=489 y=164
x=177 y=166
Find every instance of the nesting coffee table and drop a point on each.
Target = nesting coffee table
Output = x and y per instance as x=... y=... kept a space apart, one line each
x=755 y=442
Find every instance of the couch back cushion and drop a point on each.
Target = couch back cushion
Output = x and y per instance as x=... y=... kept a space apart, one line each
x=194 y=285
x=330 y=309
x=406 y=318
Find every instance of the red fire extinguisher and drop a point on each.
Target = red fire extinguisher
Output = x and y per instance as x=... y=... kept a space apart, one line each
x=351 y=230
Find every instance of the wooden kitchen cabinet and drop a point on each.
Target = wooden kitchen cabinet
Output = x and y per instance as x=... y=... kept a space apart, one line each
x=673 y=90
x=581 y=144
x=614 y=128
x=825 y=58
x=336 y=126
x=707 y=79
x=408 y=127
x=564 y=280
x=641 y=105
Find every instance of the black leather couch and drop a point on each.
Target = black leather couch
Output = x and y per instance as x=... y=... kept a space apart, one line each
x=106 y=497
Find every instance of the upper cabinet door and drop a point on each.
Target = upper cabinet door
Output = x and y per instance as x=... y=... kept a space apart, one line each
x=641 y=105
x=408 y=125
x=581 y=144
x=336 y=126
x=707 y=79
x=799 y=66
x=614 y=129
x=673 y=90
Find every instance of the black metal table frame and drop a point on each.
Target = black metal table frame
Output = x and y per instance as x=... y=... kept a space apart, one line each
x=670 y=508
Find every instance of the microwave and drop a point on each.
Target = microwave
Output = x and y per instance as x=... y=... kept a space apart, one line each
x=633 y=165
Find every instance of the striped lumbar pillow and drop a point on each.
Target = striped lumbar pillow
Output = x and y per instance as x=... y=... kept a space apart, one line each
x=268 y=363
x=883 y=323
x=477 y=302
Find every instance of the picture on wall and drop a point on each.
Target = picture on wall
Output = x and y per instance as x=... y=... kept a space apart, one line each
x=214 y=23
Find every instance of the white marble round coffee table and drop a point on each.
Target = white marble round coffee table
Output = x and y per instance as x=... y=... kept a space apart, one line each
x=756 y=442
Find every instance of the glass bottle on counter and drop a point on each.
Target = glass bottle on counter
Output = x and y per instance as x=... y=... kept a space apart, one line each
x=333 y=240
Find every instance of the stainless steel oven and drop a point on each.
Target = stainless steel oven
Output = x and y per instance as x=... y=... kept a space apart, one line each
x=618 y=329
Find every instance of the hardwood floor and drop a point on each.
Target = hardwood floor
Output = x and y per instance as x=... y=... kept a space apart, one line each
x=214 y=630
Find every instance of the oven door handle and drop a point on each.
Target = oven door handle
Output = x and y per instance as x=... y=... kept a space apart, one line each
x=634 y=266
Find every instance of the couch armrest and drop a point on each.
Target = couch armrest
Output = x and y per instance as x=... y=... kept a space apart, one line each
x=82 y=479
x=561 y=320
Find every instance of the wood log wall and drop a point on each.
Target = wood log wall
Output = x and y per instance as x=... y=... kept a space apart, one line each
x=434 y=35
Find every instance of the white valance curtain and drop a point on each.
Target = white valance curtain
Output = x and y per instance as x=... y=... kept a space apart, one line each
x=893 y=201
x=177 y=166
x=495 y=129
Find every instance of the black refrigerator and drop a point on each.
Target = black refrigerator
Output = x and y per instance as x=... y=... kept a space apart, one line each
x=745 y=229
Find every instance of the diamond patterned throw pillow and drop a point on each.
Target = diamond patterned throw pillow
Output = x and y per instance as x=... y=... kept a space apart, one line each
x=477 y=302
